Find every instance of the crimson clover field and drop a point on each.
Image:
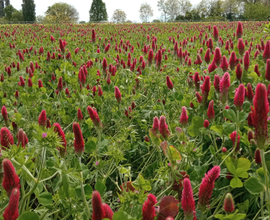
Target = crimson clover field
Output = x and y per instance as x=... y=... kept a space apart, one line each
x=135 y=121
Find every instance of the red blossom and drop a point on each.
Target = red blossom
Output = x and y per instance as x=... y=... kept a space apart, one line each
x=266 y=52
x=128 y=187
x=241 y=46
x=78 y=141
x=4 y=113
x=205 y=89
x=98 y=211
x=94 y=116
x=42 y=119
x=224 y=64
x=40 y=83
x=6 y=138
x=196 y=79
x=207 y=56
x=239 y=30
x=117 y=94
x=79 y=114
x=148 y=209
x=184 y=117
x=250 y=93
x=258 y=158
x=12 y=211
x=206 y=123
x=108 y=211
x=100 y=93
x=211 y=111
x=238 y=71
x=207 y=186
x=215 y=33
x=10 y=179
x=163 y=127
x=199 y=97
x=61 y=134
x=267 y=71
x=228 y=203
x=216 y=83
x=150 y=57
x=260 y=115
x=250 y=135
x=224 y=87
x=169 y=82
x=60 y=84
x=233 y=138
x=239 y=97
x=233 y=61
x=217 y=56
x=21 y=138
x=246 y=61
x=187 y=202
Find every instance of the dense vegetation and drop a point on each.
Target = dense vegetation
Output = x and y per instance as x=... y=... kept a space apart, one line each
x=147 y=115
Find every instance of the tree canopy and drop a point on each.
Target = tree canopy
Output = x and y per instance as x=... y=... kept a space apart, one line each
x=62 y=12
x=145 y=12
x=98 y=11
x=29 y=10
x=119 y=16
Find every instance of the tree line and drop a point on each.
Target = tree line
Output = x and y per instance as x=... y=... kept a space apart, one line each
x=9 y=13
x=171 y=10
x=179 y=10
x=212 y=10
x=205 y=10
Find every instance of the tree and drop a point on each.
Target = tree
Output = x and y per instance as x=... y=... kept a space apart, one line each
x=29 y=10
x=62 y=12
x=145 y=12
x=7 y=3
x=2 y=14
x=215 y=9
x=202 y=9
x=185 y=6
x=98 y=11
x=173 y=8
x=40 y=19
x=162 y=7
x=119 y=16
x=257 y=11
x=17 y=16
x=8 y=12
x=193 y=15
x=231 y=8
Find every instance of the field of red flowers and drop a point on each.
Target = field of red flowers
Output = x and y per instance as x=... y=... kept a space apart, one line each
x=135 y=121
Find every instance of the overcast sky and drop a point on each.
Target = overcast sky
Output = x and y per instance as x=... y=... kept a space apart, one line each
x=131 y=7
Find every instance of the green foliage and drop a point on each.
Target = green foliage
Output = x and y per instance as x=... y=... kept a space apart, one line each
x=29 y=215
x=119 y=215
x=61 y=12
x=8 y=12
x=98 y=11
x=156 y=21
x=257 y=11
x=119 y=160
x=2 y=13
x=254 y=186
x=29 y=10
x=17 y=16
x=239 y=170
x=7 y=3
x=234 y=216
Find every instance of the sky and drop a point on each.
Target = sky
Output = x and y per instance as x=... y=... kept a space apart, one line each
x=131 y=7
